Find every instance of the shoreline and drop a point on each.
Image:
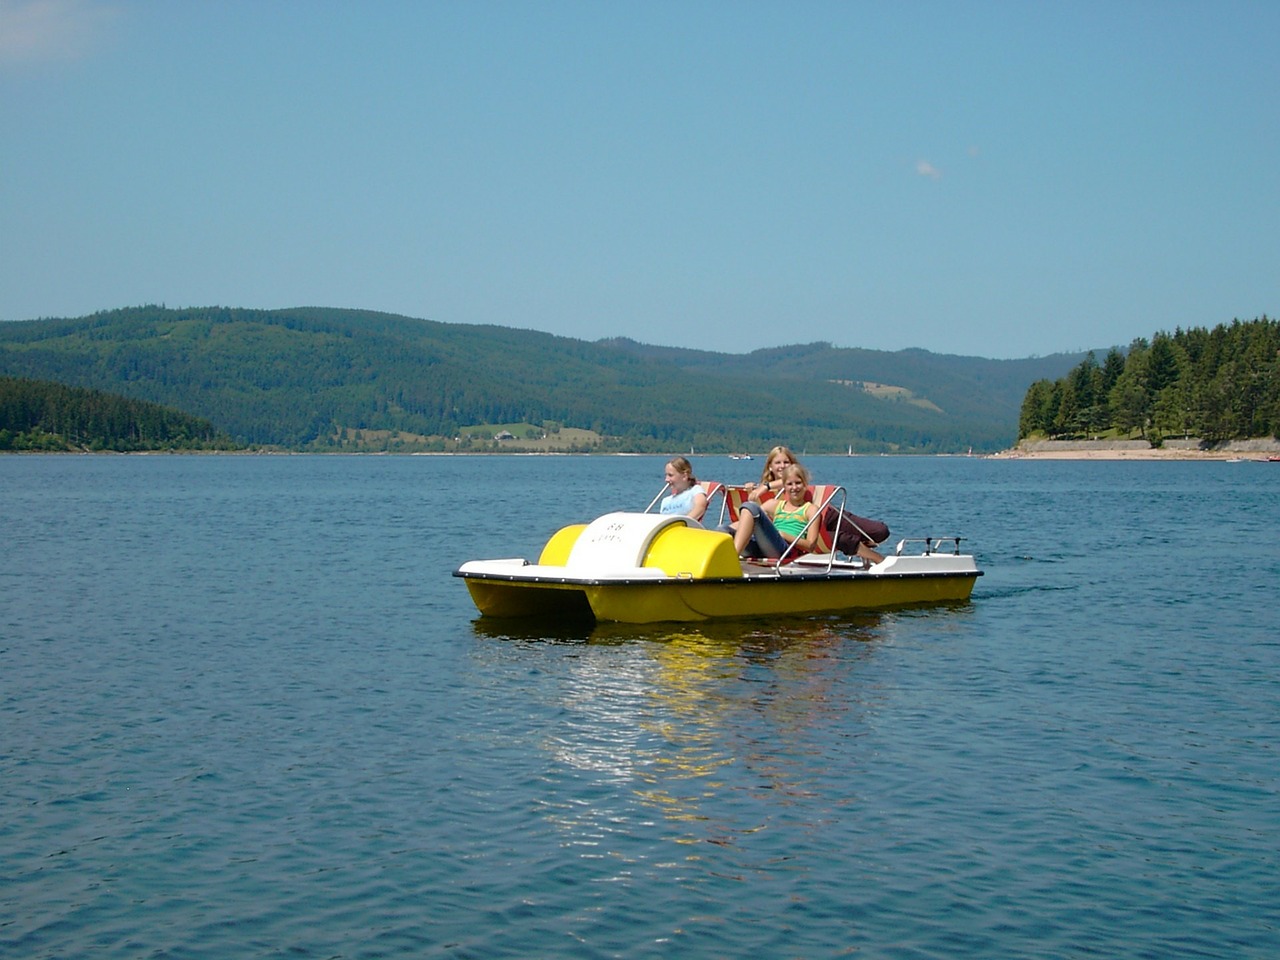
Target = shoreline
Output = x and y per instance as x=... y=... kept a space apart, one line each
x=1259 y=450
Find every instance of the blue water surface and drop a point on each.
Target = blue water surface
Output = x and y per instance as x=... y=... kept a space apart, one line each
x=245 y=711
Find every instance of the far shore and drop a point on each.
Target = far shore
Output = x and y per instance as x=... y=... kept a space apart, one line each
x=1259 y=449
x=1190 y=449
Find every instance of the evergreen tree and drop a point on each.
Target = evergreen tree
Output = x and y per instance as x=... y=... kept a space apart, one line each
x=1038 y=409
x=1130 y=398
x=1216 y=384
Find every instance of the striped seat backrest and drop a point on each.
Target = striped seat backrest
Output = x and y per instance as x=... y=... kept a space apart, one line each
x=820 y=494
x=824 y=498
x=715 y=514
x=734 y=498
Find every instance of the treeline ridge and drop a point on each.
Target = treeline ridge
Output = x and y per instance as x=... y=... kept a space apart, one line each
x=1220 y=384
x=39 y=415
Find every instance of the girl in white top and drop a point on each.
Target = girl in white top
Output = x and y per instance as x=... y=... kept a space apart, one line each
x=686 y=496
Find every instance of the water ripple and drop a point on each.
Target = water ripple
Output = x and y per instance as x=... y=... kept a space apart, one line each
x=265 y=722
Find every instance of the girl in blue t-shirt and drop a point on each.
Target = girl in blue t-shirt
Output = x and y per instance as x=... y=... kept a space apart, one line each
x=687 y=496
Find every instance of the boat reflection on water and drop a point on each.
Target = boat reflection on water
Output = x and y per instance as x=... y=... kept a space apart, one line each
x=717 y=637
x=670 y=718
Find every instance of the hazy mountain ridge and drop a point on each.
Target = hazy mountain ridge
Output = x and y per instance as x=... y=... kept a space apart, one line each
x=293 y=377
x=956 y=384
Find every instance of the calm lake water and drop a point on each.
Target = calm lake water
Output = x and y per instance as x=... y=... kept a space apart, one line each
x=245 y=711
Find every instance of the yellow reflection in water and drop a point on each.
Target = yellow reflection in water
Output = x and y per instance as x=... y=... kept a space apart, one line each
x=711 y=727
x=710 y=698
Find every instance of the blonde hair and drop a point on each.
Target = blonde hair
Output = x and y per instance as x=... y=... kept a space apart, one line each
x=796 y=469
x=684 y=467
x=767 y=474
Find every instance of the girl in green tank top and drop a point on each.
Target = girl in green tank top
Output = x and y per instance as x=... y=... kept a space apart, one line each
x=790 y=512
x=790 y=523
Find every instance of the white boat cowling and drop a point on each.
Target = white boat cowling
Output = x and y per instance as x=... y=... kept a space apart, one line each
x=617 y=541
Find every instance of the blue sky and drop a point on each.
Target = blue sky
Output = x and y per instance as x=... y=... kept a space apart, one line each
x=1000 y=179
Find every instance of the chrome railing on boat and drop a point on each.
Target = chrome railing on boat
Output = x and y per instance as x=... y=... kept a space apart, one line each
x=835 y=500
x=654 y=502
x=932 y=545
x=790 y=553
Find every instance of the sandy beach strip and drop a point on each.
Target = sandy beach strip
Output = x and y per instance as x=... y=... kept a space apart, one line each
x=1257 y=449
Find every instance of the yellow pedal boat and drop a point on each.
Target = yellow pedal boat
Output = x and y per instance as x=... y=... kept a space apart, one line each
x=648 y=568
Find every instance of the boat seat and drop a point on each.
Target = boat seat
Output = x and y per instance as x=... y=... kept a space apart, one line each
x=715 y=489
x=734 y=498
x=823 y=494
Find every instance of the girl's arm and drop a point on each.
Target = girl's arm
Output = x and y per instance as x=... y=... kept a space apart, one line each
x=699 y=507
x=760 y=490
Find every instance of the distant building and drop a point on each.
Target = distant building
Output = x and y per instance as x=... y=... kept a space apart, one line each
x=504 y=435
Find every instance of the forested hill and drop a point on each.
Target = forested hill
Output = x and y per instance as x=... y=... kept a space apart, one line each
x=300 y=378
x=1219 y=384
x=39 y=416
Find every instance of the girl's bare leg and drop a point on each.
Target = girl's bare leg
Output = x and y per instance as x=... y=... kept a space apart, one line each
x=742 y=531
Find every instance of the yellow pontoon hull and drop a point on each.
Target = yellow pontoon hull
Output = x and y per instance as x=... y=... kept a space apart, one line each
x=703 y=600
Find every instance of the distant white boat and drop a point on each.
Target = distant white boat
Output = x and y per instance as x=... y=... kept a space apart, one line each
x=740 y=456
